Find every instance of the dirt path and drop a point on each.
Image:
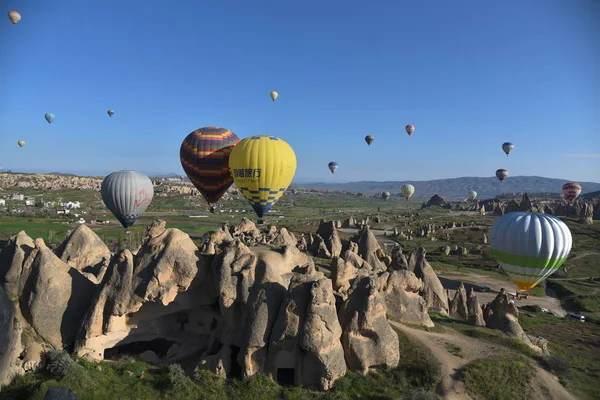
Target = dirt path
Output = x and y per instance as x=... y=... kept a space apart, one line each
x=545 y=385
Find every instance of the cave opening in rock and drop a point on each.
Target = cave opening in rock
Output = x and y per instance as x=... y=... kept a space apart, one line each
x=236 y=368
x=285 y=376
x=159 y=346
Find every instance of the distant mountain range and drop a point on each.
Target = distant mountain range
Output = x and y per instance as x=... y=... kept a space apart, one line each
x=456 y=188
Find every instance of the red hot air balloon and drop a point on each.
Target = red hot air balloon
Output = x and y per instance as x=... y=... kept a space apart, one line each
x=410 y=128
x=204 y=156
x=571 y=191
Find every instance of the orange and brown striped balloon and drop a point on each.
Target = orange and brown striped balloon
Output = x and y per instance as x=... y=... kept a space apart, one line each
x=204 y=157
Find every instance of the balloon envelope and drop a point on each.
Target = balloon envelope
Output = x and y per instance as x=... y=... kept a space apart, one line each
x=369 y=139
x=49 y=117
x=530 y=247
x=501 y=174
x=385 y=195
x=507 y=147
x=410 y=128
x=21 y=143
x=110 y=113
x=127 y=194
x=333 y=166
x=407 y=190
x=571 y=190
x=472 y=194
x=204 y=156
x=274 y=95
x=14 y=17
x=262 y=168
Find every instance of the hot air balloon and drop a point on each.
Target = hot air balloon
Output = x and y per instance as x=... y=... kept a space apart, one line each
x=262 y=168
x=110 y=113
x=410 y=128
x=571 y=191
x=369 y=139
x=472 y=195
x=274 y=95
x=501 y=174
x=50 y=117
x=127 y=194
x=14 y=17
x=385 y=195
x=508 y=147
x=204 y=156
x=333 y=166
x=407 y=191
x=530 y=247
x=21 y=143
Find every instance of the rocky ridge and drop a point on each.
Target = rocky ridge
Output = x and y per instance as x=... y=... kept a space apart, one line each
x=247 y=300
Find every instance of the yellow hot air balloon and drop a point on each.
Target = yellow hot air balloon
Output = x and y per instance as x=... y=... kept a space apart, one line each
x=21 y=143
x=262 y=168
x=274 y=95
x=407 y=190
x=14 y=16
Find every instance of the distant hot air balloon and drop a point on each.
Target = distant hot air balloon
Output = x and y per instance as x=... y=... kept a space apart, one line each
x=110 y=113
x=14 y=17
x=472 y=195
x=501 y=174
x=204 y=156
x=127 y=194
x=530 y=247
x=369 y=139
x=21 y=143
x=274 y=95
x=571 y=191
x=50 y=117
x=410 y=128
x=333 y=166
x=508 y=147
x=385 y=195
x=262 y=168
x=407 y=190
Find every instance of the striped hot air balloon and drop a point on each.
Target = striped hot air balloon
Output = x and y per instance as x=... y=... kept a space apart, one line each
x=571 y=191
x=262 y=167
x=407 y=190
x=501 y=174
x=204 y=156
x=530 y=247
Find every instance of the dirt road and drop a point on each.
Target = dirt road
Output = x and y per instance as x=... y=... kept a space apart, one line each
x=545 y=385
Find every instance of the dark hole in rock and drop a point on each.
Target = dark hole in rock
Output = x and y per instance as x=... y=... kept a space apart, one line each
x=159 y=346
x=236 y=369
x=285 y=376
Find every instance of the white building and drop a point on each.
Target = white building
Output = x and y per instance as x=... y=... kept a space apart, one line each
x=30 y=202
x=18 y=197
x=71 y=205
x=2 y=203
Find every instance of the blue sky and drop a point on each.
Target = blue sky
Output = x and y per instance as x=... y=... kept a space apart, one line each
x=468 y=74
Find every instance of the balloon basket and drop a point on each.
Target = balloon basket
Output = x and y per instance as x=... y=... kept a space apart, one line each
x=260 y=221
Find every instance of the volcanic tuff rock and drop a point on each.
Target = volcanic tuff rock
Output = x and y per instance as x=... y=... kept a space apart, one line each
x=230 y=308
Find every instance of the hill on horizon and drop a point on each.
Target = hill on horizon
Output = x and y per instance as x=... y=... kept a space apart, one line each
x=454 y=188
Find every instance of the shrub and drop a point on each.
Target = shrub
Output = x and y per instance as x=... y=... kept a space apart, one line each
x=59 y=364
x=177 y=379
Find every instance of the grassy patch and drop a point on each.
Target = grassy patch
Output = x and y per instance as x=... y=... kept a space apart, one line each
x=575 y=350
x=453 y=349
x=499 y=378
